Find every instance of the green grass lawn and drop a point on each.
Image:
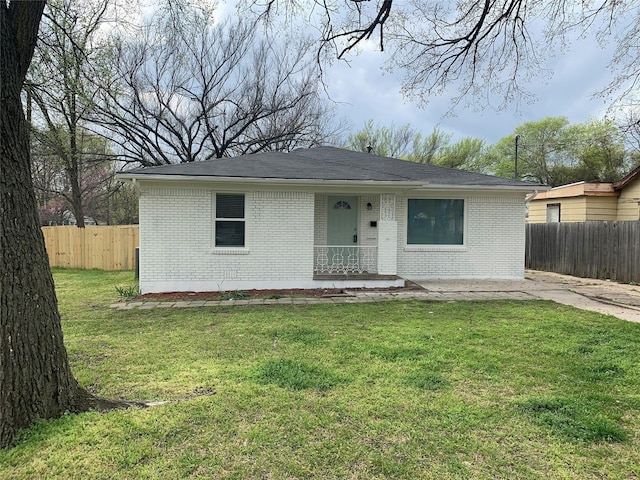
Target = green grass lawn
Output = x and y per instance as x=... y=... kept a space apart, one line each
x=409 y=390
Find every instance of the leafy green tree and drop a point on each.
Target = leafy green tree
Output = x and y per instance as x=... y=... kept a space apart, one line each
x=385 y=141
x=540 y=152
x=599 y=150
x=398 y=142
x=427 y=149
x=466 y=154
x=409 y=144
x=553 y=152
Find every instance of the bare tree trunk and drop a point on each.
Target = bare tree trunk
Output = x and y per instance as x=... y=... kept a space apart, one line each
x=35 y=378
x=73 y=171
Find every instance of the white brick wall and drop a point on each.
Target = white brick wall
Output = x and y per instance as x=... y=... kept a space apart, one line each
x=177 y=251
x=494 y=242
x=388 y=247
x=320 y=219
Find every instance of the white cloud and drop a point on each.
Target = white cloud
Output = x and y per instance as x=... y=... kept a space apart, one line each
x=369 y=93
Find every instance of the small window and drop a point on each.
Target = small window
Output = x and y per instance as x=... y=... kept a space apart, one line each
x=553 y=213
x=230 y=221
x=435 y=221
x=342 y=205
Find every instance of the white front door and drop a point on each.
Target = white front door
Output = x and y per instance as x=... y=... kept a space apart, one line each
x=342 y=221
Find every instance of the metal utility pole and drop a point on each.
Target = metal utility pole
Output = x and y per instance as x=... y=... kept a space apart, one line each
x=515 y=174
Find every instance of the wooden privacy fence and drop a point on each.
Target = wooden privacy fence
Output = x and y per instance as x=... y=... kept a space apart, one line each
x=604 y=250
x=102 y=247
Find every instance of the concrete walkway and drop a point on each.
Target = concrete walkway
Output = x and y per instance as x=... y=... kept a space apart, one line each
x=610 y=298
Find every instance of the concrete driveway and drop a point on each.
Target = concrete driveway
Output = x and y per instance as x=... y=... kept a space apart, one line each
x=610 y=298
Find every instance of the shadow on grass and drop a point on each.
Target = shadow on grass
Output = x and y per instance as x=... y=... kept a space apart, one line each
x=574 y=419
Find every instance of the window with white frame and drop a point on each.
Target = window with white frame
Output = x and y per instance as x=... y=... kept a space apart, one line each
x=553 y=213
x=230 y=221
x=435 y=221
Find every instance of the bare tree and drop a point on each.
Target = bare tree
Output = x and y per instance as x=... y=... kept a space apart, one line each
x=190 y=88
x=63 y=96
x=62 y=179
x=480 y=47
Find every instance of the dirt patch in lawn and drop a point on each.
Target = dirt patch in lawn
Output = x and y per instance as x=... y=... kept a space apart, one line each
x=293 y=292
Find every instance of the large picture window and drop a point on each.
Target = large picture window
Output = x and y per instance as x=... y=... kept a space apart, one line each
x=435 y=221
x=230 y=221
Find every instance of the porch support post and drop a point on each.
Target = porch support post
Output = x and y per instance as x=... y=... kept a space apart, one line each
x=387 y=236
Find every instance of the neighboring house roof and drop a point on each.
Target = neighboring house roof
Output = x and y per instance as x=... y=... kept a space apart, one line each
x=588 y=189
x=579 y=189
x=327 y=164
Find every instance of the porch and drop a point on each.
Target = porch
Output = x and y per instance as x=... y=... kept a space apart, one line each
x=345 y=260
x=355 y=236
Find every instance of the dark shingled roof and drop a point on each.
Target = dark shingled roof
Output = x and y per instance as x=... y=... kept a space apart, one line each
x=327 y=163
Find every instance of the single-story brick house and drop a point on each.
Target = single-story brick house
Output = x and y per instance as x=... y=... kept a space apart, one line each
x=324 y=218
x=588 y=201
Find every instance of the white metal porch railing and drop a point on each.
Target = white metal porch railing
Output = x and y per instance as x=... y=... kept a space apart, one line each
x=344 y=259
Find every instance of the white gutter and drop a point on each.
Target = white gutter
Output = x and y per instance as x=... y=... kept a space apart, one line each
x=515 y=188
x=276 y=181
x=399 y=184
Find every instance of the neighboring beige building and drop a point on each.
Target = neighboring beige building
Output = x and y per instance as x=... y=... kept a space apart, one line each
x=588 y=201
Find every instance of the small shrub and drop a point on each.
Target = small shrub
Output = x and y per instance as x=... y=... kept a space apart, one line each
x=237 y=295
x=131 y=291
